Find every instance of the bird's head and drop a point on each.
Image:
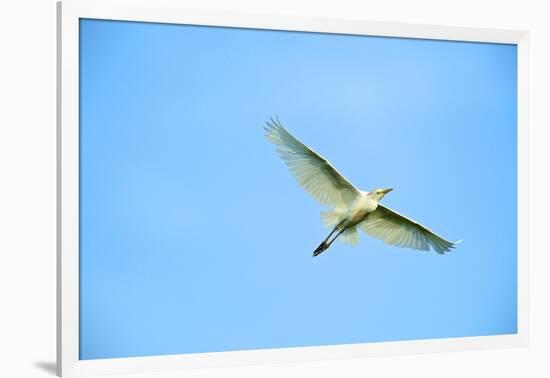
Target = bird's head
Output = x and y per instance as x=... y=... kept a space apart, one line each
x=378 y=194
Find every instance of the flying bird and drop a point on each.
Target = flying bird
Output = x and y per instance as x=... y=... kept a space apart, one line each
x=352 y=208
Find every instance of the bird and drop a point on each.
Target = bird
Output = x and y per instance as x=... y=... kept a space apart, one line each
x=351 y=208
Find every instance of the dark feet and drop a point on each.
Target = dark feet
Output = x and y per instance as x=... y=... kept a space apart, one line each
x=320 y=249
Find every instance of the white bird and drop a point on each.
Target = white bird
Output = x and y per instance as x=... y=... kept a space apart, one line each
x=352 y=207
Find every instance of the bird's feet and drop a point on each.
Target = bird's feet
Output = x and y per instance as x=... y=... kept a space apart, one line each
x=320 y=249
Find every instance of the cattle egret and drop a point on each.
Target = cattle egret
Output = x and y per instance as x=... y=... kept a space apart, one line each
x=352 y=207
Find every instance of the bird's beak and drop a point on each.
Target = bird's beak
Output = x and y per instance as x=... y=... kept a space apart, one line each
x=386 y=191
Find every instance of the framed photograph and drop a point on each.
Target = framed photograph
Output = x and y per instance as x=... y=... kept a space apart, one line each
x=250 y=188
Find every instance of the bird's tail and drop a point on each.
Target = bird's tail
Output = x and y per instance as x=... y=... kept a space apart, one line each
x=350 y=236
x=330 y=218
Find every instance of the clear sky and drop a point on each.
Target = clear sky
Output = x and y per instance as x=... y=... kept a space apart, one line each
x=196 y=238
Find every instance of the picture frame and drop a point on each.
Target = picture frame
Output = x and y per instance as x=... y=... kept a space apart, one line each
x=68 y=160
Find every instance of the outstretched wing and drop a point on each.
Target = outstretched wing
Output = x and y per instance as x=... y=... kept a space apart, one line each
x=313 y=172
x=396 y=229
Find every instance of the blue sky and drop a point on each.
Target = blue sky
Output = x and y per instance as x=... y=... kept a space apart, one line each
x=195 y=237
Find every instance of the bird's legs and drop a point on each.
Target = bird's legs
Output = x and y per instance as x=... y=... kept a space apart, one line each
x=324 y=245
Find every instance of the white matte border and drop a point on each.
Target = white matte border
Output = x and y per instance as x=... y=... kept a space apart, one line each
x=169 y=11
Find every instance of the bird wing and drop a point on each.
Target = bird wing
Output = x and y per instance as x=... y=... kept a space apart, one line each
x=313 y=172
x=396 y=229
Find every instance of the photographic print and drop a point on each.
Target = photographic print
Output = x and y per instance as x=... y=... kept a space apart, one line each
x=245 y=189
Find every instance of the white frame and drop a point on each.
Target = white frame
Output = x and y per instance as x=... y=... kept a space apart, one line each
x=168 y=11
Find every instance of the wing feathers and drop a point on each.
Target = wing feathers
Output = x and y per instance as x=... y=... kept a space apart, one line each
x=328 y=186
x=396 y=229
x=313 y=172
